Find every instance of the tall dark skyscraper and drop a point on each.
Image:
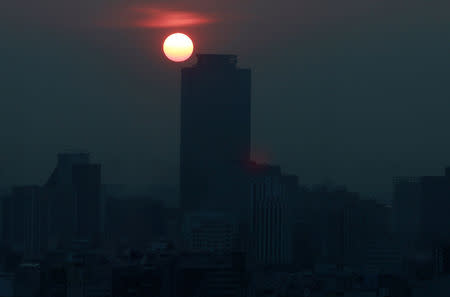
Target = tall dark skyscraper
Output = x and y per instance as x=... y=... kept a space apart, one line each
x=215 y=128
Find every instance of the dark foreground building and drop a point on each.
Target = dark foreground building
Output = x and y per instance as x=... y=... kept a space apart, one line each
x=215 y=129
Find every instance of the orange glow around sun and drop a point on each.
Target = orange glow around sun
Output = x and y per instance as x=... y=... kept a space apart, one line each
x=178 y=47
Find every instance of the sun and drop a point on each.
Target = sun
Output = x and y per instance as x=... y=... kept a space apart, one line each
x=178 y=47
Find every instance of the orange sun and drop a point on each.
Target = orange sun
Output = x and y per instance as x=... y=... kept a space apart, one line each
x=178 y=47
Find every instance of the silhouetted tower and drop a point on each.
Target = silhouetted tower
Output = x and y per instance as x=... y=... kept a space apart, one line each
x=215 y=127
x=76 y=201
x=30 y=221
x=86 y=179
x=270 y=224
x=421 y=208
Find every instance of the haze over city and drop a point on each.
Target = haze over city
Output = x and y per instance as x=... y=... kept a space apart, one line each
x=291 y=148
x=353 y=92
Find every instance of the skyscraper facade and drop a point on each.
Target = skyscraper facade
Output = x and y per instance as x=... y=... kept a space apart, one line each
x=86 y=180
x=421 y=208
x=76 y=201
x=215 y=128
x=30 y=221
x=210 y=232
x=435 y=205
x=407 y=208
x=270 y=218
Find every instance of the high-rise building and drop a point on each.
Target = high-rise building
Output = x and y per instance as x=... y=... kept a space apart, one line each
x=6 y=218
x=215 y=130
x=421 y=208
x=88 y=274
x=29 y=221
x=383 y=257
x=76 y=201
x=135 y=220
x=406 y=208
x=270 y=225
x=435 y=206
x=211 y=275
x=62 y=175
x=86 y=180
x=441 y=260
x=27 y=280
x=210 y=232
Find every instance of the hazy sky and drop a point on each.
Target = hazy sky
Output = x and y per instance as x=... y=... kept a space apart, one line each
x=356 y=91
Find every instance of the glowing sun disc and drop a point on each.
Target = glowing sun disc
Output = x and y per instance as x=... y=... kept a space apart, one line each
x=178 y=47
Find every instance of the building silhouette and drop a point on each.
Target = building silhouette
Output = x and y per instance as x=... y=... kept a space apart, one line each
x=86 y=180
x=212 y=275
x=435 y=206
x=62 y=175
x=29 y=221
x=421 y=209
x=76 y=201
x=336 y=226
x=270 y=218
x=136 y=220
x=406 y=209
x=215 y=130
x=210 y=232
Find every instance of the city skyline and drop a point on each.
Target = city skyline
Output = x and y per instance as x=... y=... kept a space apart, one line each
x=288 y=148
x=244 y=227
x=354 y=93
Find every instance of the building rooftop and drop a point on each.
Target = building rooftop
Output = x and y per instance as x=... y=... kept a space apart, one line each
x=216 y=60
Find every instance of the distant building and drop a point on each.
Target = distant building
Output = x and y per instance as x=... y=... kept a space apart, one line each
x=435 y=207
x=270 y=221
x=75 y=197
x=86 y=179
x=436 y=287
x=29 y=221
x=27 y=280
x=62 y=175
x=269 y=283
x=334 y=226
x=407 y=208
x=6 y=218
x=210 y=232
x=383 y=256
x=208 y=275
x=131 y=281
x=88 y=274
x=135 y=221
x=421 y=208
x=7 y=284
x=215 y=132
x=389 y=285
x=441 y=260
